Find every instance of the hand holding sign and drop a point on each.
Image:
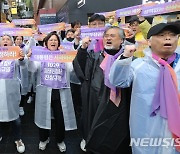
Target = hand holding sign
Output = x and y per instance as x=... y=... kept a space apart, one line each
x=29 y=53
x=10 y=53
x=141 y=18
x=21 y=55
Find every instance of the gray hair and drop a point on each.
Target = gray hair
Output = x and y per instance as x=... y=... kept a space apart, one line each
x=121 y=31
x=9 y=37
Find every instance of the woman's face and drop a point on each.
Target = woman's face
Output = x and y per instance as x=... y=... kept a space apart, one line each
x=52 y=43
x=6 y=41
x=18 y=41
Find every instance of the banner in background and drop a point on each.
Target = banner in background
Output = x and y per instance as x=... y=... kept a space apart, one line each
x=149 y=9
x=24 y=21
x=67 y=46
x=129 y=11
x=51 y=27
x=94 y=33
x=7 y=25
x=16 y=31
x=161 y=8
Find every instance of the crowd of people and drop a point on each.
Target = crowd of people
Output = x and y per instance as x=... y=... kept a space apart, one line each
x=117 y=94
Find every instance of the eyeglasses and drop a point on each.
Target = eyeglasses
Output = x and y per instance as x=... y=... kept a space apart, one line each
x=109 y=35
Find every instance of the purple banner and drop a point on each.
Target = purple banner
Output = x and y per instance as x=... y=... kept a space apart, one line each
x=54 y=75
x=94 y=33
x=149 y=9
x=161 y=8
x=7 y=69
x=67 y=46
x=24 y=21
x=44 y=55
x=16 y=31
x=129 y=11
x=7 y=25
x=108 y=14
x=51 y=27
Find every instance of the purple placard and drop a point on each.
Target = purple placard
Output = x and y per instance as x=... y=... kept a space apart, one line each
x=24 y=21
x=44 y=55
x=149 y=9
x=16 y=31
x=51 y=27
x=161 y=8
x=54 y=75
x=67 y=45
x=94 y=33
x=129 y=11
x=7 y=68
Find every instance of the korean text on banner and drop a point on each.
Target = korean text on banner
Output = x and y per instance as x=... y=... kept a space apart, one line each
x=9 y=52
x=44 y=55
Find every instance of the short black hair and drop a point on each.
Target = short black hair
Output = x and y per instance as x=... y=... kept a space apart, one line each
x=77 y=22
x=97 y=17
x=133 y=19
x=70 y=30
x=48 y=37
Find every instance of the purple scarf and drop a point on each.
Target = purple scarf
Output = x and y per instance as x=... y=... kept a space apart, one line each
x=115 y=94
x=166 y=99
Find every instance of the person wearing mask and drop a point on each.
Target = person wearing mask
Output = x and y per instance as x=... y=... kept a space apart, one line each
x=10 y=94
x=57 y=97
x=155 y=109
x=104 y=114
x=69 y=37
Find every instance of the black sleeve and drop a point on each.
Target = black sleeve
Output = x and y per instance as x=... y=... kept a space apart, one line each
x=123 y=57
x=63 y=32
x=82 y=57
x=131 y=40
x=75 y=46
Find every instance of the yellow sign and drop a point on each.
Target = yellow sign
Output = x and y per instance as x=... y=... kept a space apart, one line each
x=14 y=10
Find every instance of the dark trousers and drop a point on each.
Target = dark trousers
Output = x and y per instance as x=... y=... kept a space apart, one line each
x=23 y=100
x=59 y=123
x=16 y=129
x=76 y=96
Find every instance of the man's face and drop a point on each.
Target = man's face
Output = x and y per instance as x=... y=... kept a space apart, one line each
x=96 y=24
x=135 y=27
x=111 y=39
x=164 y=43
